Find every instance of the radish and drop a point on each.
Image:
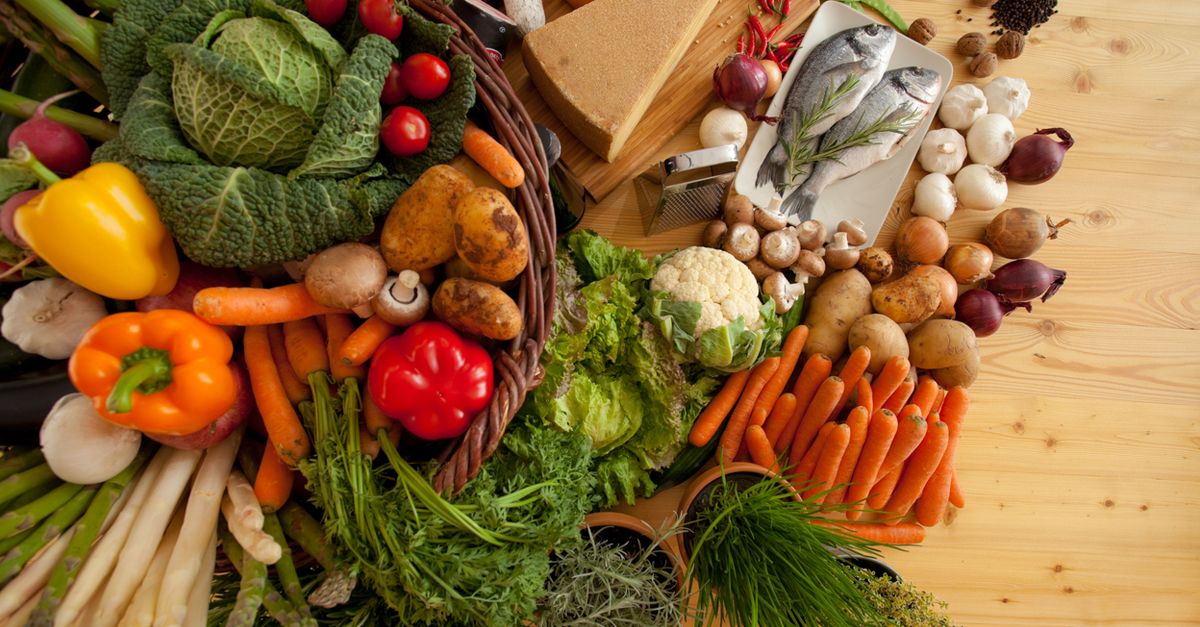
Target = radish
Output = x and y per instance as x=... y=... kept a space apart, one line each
x=9 y=210
x=59 y=147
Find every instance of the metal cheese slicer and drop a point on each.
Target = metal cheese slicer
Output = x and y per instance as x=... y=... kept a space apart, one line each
x=686 y=188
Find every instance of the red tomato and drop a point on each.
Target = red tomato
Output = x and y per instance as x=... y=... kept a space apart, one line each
x=381 y=17
x=425 y=76
x=393 y=88
x=405 y=131
x=325 y=12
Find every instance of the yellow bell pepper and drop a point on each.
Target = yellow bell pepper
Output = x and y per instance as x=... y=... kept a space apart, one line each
x=100 y=230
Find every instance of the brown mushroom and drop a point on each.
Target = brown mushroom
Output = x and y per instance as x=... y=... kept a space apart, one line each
x=739 y=209
x=403 y=301
x=782 y=291
x=759 y=269
x=855 y=234
x=811 y=234
x=714 y=234
x=742 y=241
x=808 y=264
x=779 y=248
x=840 y=254
x=345 y=276
x=770 y=220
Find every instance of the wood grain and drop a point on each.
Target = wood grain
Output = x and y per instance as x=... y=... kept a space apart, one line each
x=1081 y=453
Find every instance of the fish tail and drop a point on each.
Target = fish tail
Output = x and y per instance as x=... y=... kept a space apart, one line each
x=773 y=167
x=799 y=206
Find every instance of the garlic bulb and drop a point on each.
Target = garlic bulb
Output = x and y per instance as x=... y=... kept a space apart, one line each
x=942 y=151
x=81 y=447
x=50 y=316
x=723 y=126
x=935 y=197
x=991 y=139
x=980 y=187
x=1007 y=96
x=962 y=105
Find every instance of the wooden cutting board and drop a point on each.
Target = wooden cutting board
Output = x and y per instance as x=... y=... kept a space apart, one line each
x=685 y=94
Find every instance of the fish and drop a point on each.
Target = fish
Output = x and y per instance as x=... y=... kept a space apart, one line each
x=861 y=52
x=903 y=94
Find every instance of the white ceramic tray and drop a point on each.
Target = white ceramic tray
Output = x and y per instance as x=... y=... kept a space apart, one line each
x=867 y=195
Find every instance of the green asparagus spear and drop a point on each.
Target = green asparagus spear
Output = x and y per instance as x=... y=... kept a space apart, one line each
x=42 y=40
x=254 y=580
x=81 y=34
x=299 y=525
x=53 y=526
x=88 y=529
x=29 y=479
x=8 y=543
x=13 y=462
x=29 y=496
x=285 y=567
x=26 y=516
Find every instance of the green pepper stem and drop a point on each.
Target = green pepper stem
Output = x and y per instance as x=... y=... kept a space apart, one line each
x=24 y=157
x=146 y=371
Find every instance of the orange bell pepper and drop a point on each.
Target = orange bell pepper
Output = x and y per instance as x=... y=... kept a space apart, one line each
x=164 y=371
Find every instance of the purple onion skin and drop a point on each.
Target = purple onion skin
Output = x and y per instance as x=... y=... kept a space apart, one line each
x=1036 y=158
x=982 y=310
x=1024 y=280
x=741 y=82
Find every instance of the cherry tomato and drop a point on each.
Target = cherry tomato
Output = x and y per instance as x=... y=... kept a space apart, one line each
x=425 y=76
x=381 y=17
x=325 y=12
x=393 y=88
x=405 y=131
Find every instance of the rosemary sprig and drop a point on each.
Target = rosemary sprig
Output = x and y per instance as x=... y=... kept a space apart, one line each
x=900 y=122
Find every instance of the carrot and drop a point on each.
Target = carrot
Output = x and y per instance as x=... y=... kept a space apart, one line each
x=890 y=378
x=305 y=347
x=864 y=394
x=732 y=438
x=367 y=442
x=858 y=421
x=828 y=462
x=910 y=410
x=937 y=490
x=903 y=533
x=956 y=493
x=925 y=394
x=760 y=447
x=899 y=398
x=245 y=306
x=296 y=389
x=492 y=156
x=812 y=375
x=920 y=467
x=780 y=415
x=882 y=491
x=803 y=472
x=880 y=432
x=373 y=418
x=851 y=374
x=711 y=418
x=363 y=342
x=815 y=415
x=938 y=400
x=339 y=328
x=787 y=363
x=910 y=431
x=279 y=417
x=273 y=484
x=757 y=418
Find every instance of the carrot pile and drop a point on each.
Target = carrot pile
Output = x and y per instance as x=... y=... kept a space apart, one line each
x=885 y=443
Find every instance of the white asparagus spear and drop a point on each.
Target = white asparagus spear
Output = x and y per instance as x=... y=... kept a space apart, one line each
x=140 y=612
x=33 y=578
x=257 y=543
x=103 y=557
x=148 y=531
x=203 y=508
x=21 y=616
x=246 y=504
x=197 y=610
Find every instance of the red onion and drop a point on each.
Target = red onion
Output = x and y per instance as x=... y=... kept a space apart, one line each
x=741 y=82
x=1026 y=279
x=9 y=210
x=982 y=310
x=1036 y=158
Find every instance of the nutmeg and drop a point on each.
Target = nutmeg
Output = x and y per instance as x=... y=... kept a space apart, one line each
x=922 y=30
x=971 y=44
x=984 y=64
x=1011 y=45
x=987 y=4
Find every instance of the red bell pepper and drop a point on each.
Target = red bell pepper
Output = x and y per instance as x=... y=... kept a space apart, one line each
x=431 y=380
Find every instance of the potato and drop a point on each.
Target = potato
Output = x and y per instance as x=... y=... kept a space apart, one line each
x=419 y=231
x=963 y=374
x=882 y=336
x=911 y=298
x=457 y=268
x=875 y=264
x=478 y=308
x=842 y=298
x=489 y=235
x=940 y=343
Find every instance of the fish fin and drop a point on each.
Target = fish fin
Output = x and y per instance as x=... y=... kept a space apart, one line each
x=773 y=167
x=799 y=206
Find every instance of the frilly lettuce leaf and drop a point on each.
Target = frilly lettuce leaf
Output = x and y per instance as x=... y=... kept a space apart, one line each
x=675 y=321
x=596 y=258
x=621 y=477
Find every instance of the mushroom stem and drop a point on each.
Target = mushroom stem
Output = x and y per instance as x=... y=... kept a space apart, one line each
x=404 y=290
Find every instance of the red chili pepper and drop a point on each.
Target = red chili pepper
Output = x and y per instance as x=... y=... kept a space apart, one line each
x=787 y=8
x=431 y=380
x=771 y=56
x=783 y=66
x=766 y=7
x=750 y=44
x=795 y=39
x=762 y=35
x=774 y=31
x=741 y=44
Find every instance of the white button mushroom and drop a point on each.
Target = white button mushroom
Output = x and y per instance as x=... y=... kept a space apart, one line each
x=742 y=241
x=403 y=301
x=782 y=291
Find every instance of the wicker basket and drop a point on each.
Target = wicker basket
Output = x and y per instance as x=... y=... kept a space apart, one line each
x=517 y=367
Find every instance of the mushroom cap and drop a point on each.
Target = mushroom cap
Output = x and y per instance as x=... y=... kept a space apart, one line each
x=739 y=209
x=840 y=254
x=759 y=269
x=345 y=276
x=779 y=248
x=811 y=234
x=714 y=234
x=770 y=220
x=854 y=232
x=742 y=241
x=809 y=263
x=402 y=312
x=782 y=291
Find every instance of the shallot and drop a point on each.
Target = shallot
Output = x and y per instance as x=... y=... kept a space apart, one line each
x=1019 y=232
x=741 y=82
x=982 y=310
x=1026 y=279
x=1036 y=158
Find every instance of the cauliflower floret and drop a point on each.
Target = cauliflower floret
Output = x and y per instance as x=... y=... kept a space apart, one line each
x=723 y=286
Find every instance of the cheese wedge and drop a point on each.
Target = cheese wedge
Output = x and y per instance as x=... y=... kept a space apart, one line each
x=600 y=66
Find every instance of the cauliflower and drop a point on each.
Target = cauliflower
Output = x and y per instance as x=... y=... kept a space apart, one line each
x=723 y=287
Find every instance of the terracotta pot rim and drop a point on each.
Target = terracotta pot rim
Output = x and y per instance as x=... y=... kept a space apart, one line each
x=700 y=481
x=633 y=523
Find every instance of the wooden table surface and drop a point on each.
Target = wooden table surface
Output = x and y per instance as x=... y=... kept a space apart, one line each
x=1080 y=457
